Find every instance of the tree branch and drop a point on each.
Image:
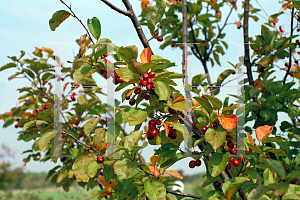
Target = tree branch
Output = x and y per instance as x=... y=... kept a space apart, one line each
x=112 y=6
x=184 y=194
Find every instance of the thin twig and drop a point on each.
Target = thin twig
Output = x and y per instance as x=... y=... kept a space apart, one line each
x=112 y=6
x=184 y=194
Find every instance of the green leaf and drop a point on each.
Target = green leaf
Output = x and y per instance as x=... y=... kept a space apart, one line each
x=275 y=165
x=155 y=190
x=256 y=149
x=80 y=165
x=166 y=152
x=74 y=152
x=137 y=117
x=90 y=125
x=264 y=61
x=126 y=169
x=233 y=183
x=273 y=139
x=94 y=27
x=132 y=51
x=82 y=72
x=203 y=102
x=125 y=74
x=57 y=18
x=41 y=122
x=253 y=174
x=223 y=76
x=215 y=137
x=132 y=139
x=178 y=106
x=7 y=66
x=99 y=136
x=61 y=176
x=92 y=168
x=45 y=139
x=29 y=124
x=162 y=89
x=217 y=163
x=269 y=177
x=155 y=14
x=215 y=101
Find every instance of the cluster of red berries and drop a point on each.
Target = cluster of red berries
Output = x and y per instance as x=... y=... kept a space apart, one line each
x=147 y=80
x=73 y=96
x=194 y=163
x=108 y=73
x=235 y=163
x=152 y=126
x=297 y=43
x=285 y=168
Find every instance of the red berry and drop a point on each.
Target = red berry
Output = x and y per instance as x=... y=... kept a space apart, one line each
x=232 y=151
x=150 y=136
x=16 y=126
x=105 y=55
x=160 y=38
x=171 y=111
x=228 y=135
x=17 y=119
x=41 y=110
x=154 y=132
x=74 y=93
x=236 y=162
x=102 y=71
x=120 y=80
x=137 y=90
x=103 y=121
x=215 y=124
x=151 y=126
x=144 y=95
x=151 y=74
x=153 y=85
x=158 y=122
x=76 y=122
x=283 y=164
x=281 y=29
x=230 y=159
x=149 y=80
x=296 y=61
x=149 y=87
x=192 y=164
x=218 y=184
x=80 y=134
x=293 y=181
x=194 y=124
x=204 y=129
x=256 y=50
x=261 y=69
x=73 y=98
x=147 y=97
x=62 y=79
x=132 y=102
x=145 y=76
x=230 y=144
x=287 y=169
x=250 y=150
x=198 y=162
x=128 y=97
x=172 y=133
x=100 y=159
x=233 y=2
x=234 y=72
x=228 y=166
x=143 y=82
x=152 y=121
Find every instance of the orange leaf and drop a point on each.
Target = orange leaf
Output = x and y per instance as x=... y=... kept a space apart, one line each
x=154 y=159
x=258 y=83
x=286 y=6
x=238 y=24
x=250 y=138
x=196 y=103
x=100 y=196
x=228 y=121
x=173 y=173
x=154 y=170
x=263 y=132
x=167 y=128
x=10 y=113
x=146 y=55
x=21 y=100
x=107 y=186
x=179 y=99
x=219 y=14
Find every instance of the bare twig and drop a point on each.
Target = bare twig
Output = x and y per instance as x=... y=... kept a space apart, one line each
x=112 y=6
x=184 y=194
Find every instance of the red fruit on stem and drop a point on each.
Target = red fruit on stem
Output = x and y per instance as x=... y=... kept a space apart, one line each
x=145 y=76
x=194 y=125
x=234 y=72
x=132 y=102
x=152 y=121
x=204 y=129
x=236 y=162
x=256 y=50
x=293 y=181
x=17 y=119
x=171 y=111
x=218 y=184
x=151 y=74
x=250 y=150
x=137 y=90
x=230 y=144
x=143 y=82
x=147 y=97
x=76 y=122
x=153 y=85
x=158 y=122
x=172 y=133
x=232 y=151
x=154 y=132
x=105 y=55
x=73 y=98
x=149 y=80
x=127 y=98
x=74 y=93
x=198 y=162
x=149 y=87
x=160 y=38
x=144 y=95
x=283 y=164
x=151 y=126
x=230 y=159
x=192 y=164
x=215 y=124
x=120 y=80
x=287 y=169
x=228 y=135
x=150 y=136
x=100 y=159
x=228 y=166
x=281 y=29
x=16 y=126
x=80 y=134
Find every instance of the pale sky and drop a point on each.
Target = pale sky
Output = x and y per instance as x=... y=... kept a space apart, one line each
x=25 y=25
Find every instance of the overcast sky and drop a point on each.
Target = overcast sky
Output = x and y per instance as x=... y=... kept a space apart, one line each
x=25 y=25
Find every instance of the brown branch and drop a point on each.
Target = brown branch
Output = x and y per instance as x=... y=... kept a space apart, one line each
x=184 y=194
x=246 y=43
x=112 y=6
x=290 y=58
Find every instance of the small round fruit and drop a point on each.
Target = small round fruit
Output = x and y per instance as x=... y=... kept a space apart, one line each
x=105 y=55
x=171 y=111
x=137 y=90
x=283 y=164
x=62 y=159
x=76 y=122
x=153 y=85
x=228 y=166
x=228 y=135
x=160 y=38
x=103 y=121
x=250 y=150
x=234 y=72
x=100 y=159
x=144 y=95
x=74 y=93
x=293 y=181
x=80 y=134
x=151 y=126
x=232 y=151
x=230 y=159
x=204 y=129
x=120 y=80
x=149 y=87
x=158 y=122
x=198 y=162
x=16 y=126
x=152 y=121
x=145 y=76
x=73 y=98
x=143 y=82
x=147 y=97
x=194 y=125
x=149 y=80
x=192 y=164
x=287 y=169
x=230 y=144
x=218 y=184
x=132 y=102
x=172 y=134
x=150 y=136
x=215 y=124
x=18 y=119
x=127 y=98
x=151 y=74
x=236 y=162
x=261 y=69
x=154 y=132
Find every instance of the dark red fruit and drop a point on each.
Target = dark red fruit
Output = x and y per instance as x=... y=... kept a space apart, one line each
x=198 y=162
x=63 y=159
x=73 y=98
x=151 y=74
x=283 y=164
x=103 y=121
x=150 y=136
x=228 y=135
x=171 y=111
x=250 y=150
x=80 y=134
x=144 y=95
x=192 y=164
x=287 y=169
x=172 y=133
x=100 y=159
x=149 y=80
x=194 y=125
x=143 y=82
x=17 y=119
x=154 y=132
x=120 y=80
x=74 y=93
x=62 y=79
x=149 y=87
x=132 y=102
x=152 y=121
x=293 y=181
x=218 y=184
x=147 y=97
x=256 y=50
x=158 y=122
x=105 y=55
x=137 y=90
x=215 y=124
x=204 y=129
x=230 y=159
x=286 y=64
x=232 y=151
x=234 y=72
x=41 y=110
x=16 y=126
x=261 y=69
x=230 y=144
x=160 y=38
x=151 y=126
x=236 y=162
x=228 y=166
x=153 y=85
x=145 y=76
x=76 y=122
x=127 y=98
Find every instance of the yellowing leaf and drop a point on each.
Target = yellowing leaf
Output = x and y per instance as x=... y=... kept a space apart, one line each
x=167 y=128
x=230 y=193
x=250 y=138
x=154 y=159
x=146 y=55
x=173 y=173
x=21 y=100
x=47 y=49
x=228 y=121
x=258 y=83
x=179 y=99
x=107 y=186
x=100 y=196
x=154 y=170
x=196 y=103
x=263 y=132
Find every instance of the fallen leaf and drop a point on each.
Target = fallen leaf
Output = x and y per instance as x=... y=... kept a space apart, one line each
x=146 y=55
x=228 y=121
x=173 y=173
x=263 y=132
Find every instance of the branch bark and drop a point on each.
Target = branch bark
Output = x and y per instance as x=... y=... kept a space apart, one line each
x=112 y=6
x=183 y=194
